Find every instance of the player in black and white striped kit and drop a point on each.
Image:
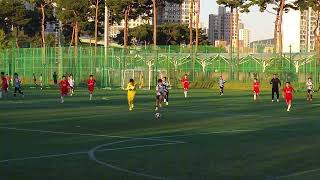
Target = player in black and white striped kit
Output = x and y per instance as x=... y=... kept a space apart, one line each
x=166 y=85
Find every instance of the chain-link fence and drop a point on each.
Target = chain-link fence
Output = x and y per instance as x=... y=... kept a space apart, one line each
x=112 y=67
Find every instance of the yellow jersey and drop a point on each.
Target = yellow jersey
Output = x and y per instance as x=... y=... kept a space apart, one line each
x=131 y=87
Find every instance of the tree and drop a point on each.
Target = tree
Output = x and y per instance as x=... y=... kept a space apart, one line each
x=235 y=5
x=13 y=17
x=41 y=5
x=280 y=6
x=128 y=9
x=143 y=34
x=76 y=13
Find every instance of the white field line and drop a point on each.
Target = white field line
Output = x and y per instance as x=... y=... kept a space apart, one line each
x=93 y=157
x=85 y=152
x=298 y=173
x=94 y=135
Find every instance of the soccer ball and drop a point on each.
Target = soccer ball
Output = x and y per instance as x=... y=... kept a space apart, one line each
x=157 y=115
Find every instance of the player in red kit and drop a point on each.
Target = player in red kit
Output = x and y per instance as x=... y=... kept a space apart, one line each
x=5 y=85
x=91 y=82
x=288 y=95
x=185 y=83
x=64 y=88
x=256 y=89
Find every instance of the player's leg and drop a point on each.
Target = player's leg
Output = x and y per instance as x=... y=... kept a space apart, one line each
x=254 y=96
x=1 y=92
x=90 y=95
x=157 y=102
x=15 y=91
x=278 y=95
x=62 y=97
x=273 y=91
x=167 y=98
x=132 y=99
x=185 y=90
x=289 y=102
x=20 y=91
x=129 y=102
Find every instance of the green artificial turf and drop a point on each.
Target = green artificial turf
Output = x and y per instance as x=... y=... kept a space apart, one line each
x=202 y=137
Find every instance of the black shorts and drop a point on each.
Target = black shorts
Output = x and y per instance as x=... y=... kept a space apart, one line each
x=309 y=91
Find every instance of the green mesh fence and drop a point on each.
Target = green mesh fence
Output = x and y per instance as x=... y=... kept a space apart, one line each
x=112 y=67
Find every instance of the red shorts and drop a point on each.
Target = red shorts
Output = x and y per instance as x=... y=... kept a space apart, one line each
x=5 y=89
x=90 y=89
x=256 y=91
x=288 y=100
x=186 y=87
x=64 y=92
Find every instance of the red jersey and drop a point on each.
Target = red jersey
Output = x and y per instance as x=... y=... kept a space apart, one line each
x=185 y=82
x=288 y=92
x=4 y=83
x=64 y=85
x=91 y=83
x=256 y=87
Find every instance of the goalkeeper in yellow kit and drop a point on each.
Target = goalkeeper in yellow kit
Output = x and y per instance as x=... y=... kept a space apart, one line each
x=131 y=88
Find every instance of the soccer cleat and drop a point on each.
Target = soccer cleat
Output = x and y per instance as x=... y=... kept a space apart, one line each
x=130 y=109
x=272 y=100
x=156 y=109
x=277 y=100
x=167 y=103
x=288 y=110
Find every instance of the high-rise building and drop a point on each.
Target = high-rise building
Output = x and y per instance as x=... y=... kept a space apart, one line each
x=177 y=13
x=298 y=31
x=219 y=26
x=219 y=29
x=244 y=36
x=116 y=28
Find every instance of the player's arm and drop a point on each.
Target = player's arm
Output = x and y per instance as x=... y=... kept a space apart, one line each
x=279 y=82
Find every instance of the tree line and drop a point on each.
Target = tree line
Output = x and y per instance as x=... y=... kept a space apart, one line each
x=23 y=22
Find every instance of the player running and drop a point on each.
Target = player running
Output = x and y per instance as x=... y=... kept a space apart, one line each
x=41 y=81
x=34 y=79
x=287 y=95
x=131 y=88
x=5 y=86
x=256 y=89
x=17 y=85
x=221 y=85
x=55 y=78
x=309 y=85
x=91 y=82
x=71 y=82
x=185 y=82
x=275 y=86
x=160 y=93
x=64 y=86
x=166 y=90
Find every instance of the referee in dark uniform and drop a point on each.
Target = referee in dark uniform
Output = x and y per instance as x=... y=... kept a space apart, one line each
x=276 y=83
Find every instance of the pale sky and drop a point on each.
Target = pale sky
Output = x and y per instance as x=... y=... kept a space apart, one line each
x=260 y=24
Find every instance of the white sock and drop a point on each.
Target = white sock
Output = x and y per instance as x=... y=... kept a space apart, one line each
x=289 y=107
x=185 y=94
x=254 y=97
x=0 y=94
x=90 y=97
x=164 y=100
x=62 y=99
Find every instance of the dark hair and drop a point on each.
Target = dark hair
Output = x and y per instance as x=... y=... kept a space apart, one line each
x=131 y=80
x=16 y=74
x=2 y=73
x=165 y=78
x=63 y=76
x=159 y=80
x=91 y=75
x=288 y=82
x=256 y=79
